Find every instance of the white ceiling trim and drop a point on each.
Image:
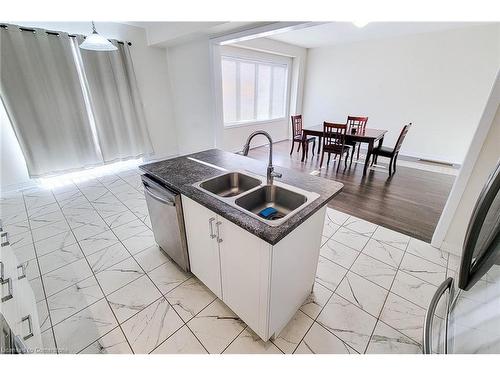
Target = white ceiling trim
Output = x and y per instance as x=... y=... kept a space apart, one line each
x=264 y=31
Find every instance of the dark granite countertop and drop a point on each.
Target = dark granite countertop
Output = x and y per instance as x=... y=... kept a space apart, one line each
x=181 y=173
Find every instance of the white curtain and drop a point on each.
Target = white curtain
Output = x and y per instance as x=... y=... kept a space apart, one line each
x=42 y=94
x=116 y=104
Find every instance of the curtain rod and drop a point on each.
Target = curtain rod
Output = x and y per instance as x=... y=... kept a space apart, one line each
x=55 y=33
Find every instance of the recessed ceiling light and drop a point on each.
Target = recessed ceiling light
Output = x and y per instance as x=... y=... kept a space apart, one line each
x=360 y=24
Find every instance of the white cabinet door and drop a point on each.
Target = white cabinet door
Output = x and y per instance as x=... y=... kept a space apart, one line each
x=29 y=324
x=9 y=291
x=202 y=244
x=19 y=306
x=245 y=267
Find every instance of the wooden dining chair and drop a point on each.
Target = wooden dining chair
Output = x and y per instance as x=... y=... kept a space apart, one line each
x=334 y=143
x=391 y=153
x=358 y=123
x=298 y=137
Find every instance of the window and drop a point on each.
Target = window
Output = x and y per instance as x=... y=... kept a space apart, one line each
x=253 y=90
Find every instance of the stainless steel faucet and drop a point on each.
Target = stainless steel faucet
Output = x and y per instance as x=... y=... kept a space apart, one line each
x=270 y=168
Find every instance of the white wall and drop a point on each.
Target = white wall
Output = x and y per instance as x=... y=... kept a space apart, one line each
x=152 y=78
x=486 y=161
x=439 y=81
x=190 y=81
x=13 y=170
x=267 y=49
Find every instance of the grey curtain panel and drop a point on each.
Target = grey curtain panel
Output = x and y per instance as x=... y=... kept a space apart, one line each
x=43 y=97
x=116 y=103
x=70 y=108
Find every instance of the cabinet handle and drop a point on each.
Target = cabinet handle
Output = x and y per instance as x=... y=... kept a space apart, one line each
x=30 y=325
x=22 y=267
x=6 y=242
x=9 y=285
x=210 y=222
x=217 y=224
x=2 y=271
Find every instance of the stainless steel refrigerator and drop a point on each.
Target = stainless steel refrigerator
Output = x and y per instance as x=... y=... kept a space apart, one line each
x=470 y=302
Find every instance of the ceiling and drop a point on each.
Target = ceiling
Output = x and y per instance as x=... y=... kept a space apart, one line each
x=331 y=33
x=165 y=34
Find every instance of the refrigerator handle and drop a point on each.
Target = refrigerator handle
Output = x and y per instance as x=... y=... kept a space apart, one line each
x=429 y=315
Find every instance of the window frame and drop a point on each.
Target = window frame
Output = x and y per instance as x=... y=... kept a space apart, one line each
x=257 y=61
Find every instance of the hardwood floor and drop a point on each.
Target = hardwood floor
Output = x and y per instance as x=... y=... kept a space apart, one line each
x=410 y=202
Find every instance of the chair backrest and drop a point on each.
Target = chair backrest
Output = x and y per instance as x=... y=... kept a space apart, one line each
x=357 y=122
x=401 y=137
x=296 y=125
x=334 y=135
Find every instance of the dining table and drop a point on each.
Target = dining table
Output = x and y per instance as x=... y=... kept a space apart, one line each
x=368 y=136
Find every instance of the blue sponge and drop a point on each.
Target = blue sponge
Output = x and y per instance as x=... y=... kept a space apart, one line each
x=268 y=212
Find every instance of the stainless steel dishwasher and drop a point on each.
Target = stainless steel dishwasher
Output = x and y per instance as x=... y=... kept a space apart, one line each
x=167 y=220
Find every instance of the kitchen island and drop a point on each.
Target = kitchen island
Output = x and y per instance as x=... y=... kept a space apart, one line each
x=262 y=270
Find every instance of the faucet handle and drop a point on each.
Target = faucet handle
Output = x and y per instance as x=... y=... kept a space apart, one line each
x=276 y=174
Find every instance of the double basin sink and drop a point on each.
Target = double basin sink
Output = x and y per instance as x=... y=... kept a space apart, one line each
x=251 y=195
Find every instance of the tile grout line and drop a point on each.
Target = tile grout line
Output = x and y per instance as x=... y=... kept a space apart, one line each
x=77 y=242
x=87 y=278
x=396 y=268
x=385 y=301
x=345 y=276
x=246 y=325
x=41 y=279
x=163 y=295
x=217 y=298
x=145 y=274
x=328 y=237
x=388 y=290
x=185 y=323
x=238 y=335
x=333 y=293
x=349 y=270
x=100 y=287
x=190 y=330
x=141 y=192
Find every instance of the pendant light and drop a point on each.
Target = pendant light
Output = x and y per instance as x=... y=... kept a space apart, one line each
x=96 y=42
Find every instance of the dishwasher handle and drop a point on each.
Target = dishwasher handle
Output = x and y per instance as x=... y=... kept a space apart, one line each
x=149 y=191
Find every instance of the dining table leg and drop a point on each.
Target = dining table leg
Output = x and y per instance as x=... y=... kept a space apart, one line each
x=380 y=142
x=368 y=155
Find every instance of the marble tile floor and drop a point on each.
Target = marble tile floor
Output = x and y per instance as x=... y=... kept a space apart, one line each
x=103 y=286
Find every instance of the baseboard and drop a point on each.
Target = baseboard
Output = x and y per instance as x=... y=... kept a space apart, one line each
x=31 y=183
x=444 y=163
x=17 y=187
x=451 y=248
